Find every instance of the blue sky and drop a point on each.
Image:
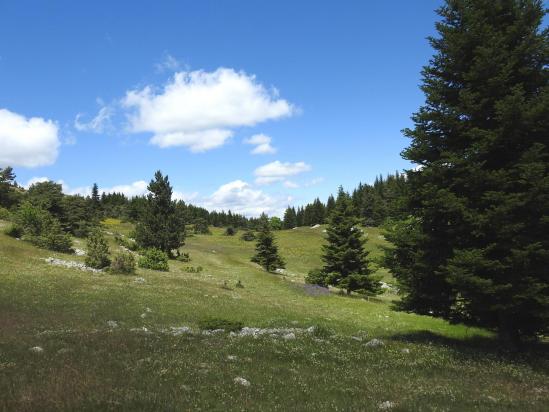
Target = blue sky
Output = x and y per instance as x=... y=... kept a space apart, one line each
x=109 y=92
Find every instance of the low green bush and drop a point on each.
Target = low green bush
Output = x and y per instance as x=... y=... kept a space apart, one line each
x=123 y=263
x=154 y=259
x=98 y=251
x=184 y=257
x=14 y=230
x=317 y=277
x=230 y=231
x=248 y=235
x=4 y=213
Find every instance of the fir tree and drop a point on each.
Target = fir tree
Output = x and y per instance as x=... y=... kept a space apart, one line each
x=476 y=247
x=98 y=250
x=266 y=250
x=95 y=199
x=161 y=225
x=290 y=218
x=345 y=259
x=330 y=205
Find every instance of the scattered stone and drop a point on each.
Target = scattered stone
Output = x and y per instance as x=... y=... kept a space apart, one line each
x=232 y=357
x=374 y=343
x=143 y=315
x=36 y=349
x=79 y=252
x=294 y=322
x=62 y=351
x=176 y=331
x=148 y=310
x=357 y=338
x=405 y=350
x=71 y=264
x=324 y=231
x=387 y=405
x=280 y=271
x=112 y=324
x=241 y=381
x=212 y=332
x=315 y=226
x=139 y=280
x=141 y=330
x=310 y=329
x=289 y=336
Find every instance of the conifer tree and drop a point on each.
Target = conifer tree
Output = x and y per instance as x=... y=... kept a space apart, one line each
x=345 y=259
x=290 y=218
x=161 y=225
x=266 y=249
x=476 y=247
x=330 y=205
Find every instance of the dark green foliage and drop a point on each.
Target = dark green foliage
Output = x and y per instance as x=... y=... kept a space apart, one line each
x=161 y=225
x=248 y=235
x=123 y=263
x=290 y=218
x=47 y=196
x=477 y=249
x=78 y=216
x=317 y=277
x=200 y=227
x=10 y=194
x=192 y=269
x=230 y=231
x=217 y=324
x=15 y=231
x=154 y=259
x=98 y=250
x=4 y=213
x=239 y=284
x=276 y=223
x=266 y=250
x=345 y=259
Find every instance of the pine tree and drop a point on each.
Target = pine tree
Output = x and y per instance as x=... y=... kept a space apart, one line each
x=266 y=250
x=290 y=218
x=98 y=250
x=330 y=205
x=476 y=247
x=161 y=225
x=95 y=199
x=345 y=259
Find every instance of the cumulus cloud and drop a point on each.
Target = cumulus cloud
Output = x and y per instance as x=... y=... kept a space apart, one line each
x=99 y=123
x=290 y=185
x=262 y=144
x=277 y=171
x=200 y=109
x=26 y=142
x=240 y=197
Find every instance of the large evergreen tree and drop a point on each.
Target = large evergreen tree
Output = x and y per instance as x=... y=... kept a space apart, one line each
x=266 y=249
x=290 y=218
x=476 y=247
x=161 y=225
x=345 y=259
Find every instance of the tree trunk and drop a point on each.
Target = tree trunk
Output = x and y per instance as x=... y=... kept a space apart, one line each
x=508 y=333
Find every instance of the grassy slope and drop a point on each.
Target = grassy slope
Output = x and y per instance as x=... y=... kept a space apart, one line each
x=86 y=365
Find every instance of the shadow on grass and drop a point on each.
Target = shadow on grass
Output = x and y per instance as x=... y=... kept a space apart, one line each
x=533 y=353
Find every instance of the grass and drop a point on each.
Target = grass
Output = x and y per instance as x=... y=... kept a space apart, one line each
x=424 y=364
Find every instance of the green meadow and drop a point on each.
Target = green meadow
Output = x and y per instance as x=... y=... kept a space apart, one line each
x=107 y=341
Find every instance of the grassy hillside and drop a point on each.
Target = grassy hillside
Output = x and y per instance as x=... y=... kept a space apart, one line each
x=108 y=344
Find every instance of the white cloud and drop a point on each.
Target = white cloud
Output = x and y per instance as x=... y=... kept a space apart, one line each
x=314 y=181
x=277 y=171
x=290 y=185
x=262 y=144
x=27 y=142
x=200 y=109
x=239 y=197
x=36 y=180
x=169 y=63
x=99 y=123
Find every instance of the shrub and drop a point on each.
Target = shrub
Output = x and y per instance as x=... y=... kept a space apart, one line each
x=14 y=231
x=154 y=259
x=192 y=269
x=32 y=219
x=4 y=213
x=201 y=227
x=123 y=263
x=239 y=284
x=316 y=277
x=125 y=242
x=184 y=257
x=55 y=239
x=230 y=231
x=217 y=323
x=248 y=235
x=98 y=251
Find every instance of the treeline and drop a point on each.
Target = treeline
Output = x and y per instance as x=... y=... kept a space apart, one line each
x=371 y=204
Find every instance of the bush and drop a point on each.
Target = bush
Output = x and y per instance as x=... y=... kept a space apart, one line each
x=4 y=213
x=201 y=227
x=239 y=284
x=230 y=231
x=154 y=259
x=192 y=269
x=33 y=220
x=317 y=277
x=125 y=242
x=216 y=323
x=98 y=251
x=184 y=257
x=321 y=331
x=123 y=263
x=248 y=235
x=14 y=231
